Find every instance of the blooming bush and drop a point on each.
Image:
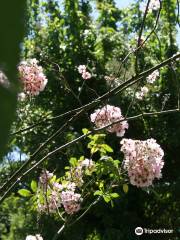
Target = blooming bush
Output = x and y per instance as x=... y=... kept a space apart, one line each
x=48 y=128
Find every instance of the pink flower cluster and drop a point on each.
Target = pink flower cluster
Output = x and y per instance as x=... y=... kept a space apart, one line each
x=32 y=77
x=53 y=195
x=84 y=73
x=107 y=115
x=152 y=77
x=70 y=201
x=50 y=199
x=143 y=161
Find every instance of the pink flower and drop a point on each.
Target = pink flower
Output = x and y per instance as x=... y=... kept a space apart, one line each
x=84 y=73
x=49 y=198
x=81 y=69
x=71 y=186
x=143 y=161
x=152 y=77
x=142 y=93
x=87 y=163
x=32 y=77
x=21 y=96
x=71 y=201
x=107 y=115
x=57 y=186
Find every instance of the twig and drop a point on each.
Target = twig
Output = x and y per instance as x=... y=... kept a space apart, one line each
x=143 y=42
x=140 y=34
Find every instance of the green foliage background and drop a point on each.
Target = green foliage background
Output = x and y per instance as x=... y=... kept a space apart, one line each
x=62 y=37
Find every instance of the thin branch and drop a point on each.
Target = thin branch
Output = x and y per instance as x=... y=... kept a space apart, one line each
x=140 y=34
x=42 y=121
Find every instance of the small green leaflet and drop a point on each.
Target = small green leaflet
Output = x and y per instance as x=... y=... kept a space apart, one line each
x=34 y=186
x=125 y=188
x=24 y=193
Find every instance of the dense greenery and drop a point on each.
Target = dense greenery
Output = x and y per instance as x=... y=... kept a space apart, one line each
x=63 y=35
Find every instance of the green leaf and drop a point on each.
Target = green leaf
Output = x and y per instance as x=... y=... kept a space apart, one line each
x=94 y=150
x=85 y=130
x=98 y=192
x=125 y=188
x=116 y=163
x=101 y=185
x=107 y=198
x=73 y=162
x=114 y=195
x=81 y=158
x=107 y=148
x=34 y=186
x=53 y=179
x=24 y=193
